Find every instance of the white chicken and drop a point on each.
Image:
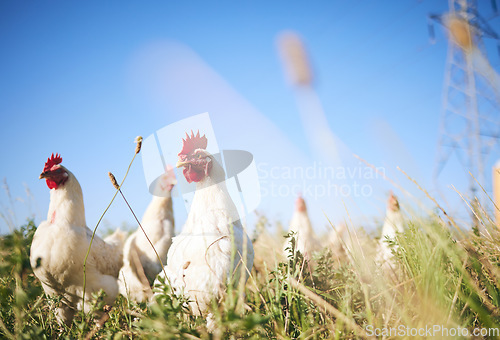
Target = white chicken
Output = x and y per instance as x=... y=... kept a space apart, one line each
x=200 y=262
x=61 y=242
x=393 y=224
x=140 y=261
x=306 y=241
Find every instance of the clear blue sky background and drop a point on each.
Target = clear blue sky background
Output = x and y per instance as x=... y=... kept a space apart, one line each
x=85 y=78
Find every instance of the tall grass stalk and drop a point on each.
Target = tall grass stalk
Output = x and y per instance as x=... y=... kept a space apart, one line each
x=137 y=150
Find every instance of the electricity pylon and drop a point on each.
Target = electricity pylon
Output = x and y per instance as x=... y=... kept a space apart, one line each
x=470 y=117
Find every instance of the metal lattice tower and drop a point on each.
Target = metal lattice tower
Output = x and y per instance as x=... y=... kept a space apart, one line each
x=470 y=117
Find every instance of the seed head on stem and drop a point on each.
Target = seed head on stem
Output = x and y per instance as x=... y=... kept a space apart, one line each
x=138 y=140
x=113 y=181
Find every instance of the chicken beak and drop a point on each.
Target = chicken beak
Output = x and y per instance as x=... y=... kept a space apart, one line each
x=181 y=163
x=43 y=175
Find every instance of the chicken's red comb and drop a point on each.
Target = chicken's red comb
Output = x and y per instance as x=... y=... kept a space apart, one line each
x=300 y=204
x=51 y=161
x=192 y=143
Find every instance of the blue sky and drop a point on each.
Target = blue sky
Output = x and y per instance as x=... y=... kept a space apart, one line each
x=85 y=78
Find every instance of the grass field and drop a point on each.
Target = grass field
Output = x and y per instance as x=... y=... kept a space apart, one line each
x=443 y=282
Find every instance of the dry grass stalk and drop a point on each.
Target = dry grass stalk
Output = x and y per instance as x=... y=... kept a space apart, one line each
x=318 y=300
x=100 y=323
x=452 y=221
x=97 y=225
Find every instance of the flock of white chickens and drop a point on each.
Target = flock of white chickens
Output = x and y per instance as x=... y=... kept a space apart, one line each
x=211 y=252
